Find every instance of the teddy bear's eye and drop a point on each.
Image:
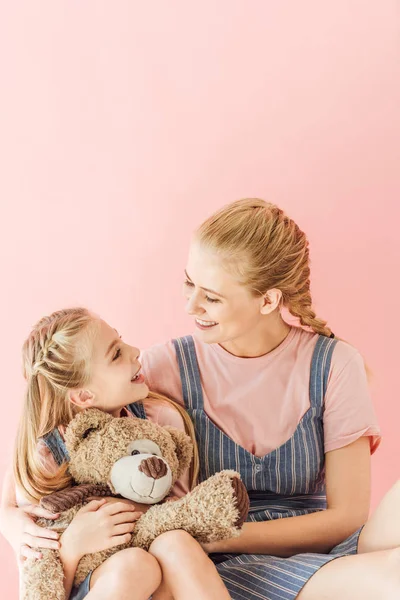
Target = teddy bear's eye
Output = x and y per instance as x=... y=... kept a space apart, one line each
x=88 y=432
x=134 y=452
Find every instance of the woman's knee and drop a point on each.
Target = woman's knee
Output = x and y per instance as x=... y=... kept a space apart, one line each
x=391 y=579
x=174 y=543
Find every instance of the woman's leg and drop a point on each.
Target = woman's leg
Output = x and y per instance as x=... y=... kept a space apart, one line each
x=371 y=576
x=372 y=573
x=382 y=531
x=130 y=574
x=186 y=569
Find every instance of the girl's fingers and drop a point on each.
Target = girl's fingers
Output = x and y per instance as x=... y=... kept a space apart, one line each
x=111 y=500
x=37 y=511
x=27 y=552
x=123 y=529
x=120 y=539
x=126 y=517
x=40 y=532
x=93 y=505
x=39 y=542
x=119 y=507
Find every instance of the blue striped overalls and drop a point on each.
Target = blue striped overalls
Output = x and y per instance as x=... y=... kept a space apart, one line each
x=286 y=482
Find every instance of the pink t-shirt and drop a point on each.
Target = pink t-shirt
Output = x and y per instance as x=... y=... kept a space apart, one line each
x=156 y=411
x=258 y=402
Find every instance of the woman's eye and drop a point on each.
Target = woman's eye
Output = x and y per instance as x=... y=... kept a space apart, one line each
x=212 y=299
x=117 y=354
x=134 y=452
x=188 y=283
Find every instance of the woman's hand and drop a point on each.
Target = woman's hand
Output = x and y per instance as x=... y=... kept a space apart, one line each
x=18 y=525
x=97 y=526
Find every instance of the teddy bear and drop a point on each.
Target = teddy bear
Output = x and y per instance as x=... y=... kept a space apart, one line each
x=138 y=460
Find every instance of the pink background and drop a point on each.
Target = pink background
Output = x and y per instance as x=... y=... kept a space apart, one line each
x=125 y=124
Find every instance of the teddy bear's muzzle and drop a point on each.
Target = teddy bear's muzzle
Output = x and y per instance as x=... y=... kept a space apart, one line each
x=153 y=467
x=144 y=478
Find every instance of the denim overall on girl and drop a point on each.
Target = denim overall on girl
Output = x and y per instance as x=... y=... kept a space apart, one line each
x=56 y=445
x=286 y=482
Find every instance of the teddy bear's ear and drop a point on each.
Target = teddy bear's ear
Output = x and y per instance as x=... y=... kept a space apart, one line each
x=183 y=448
x=82 y=424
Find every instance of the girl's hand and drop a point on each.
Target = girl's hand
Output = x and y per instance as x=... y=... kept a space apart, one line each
x=25 y=536
x=124 y=501
x=97 y=526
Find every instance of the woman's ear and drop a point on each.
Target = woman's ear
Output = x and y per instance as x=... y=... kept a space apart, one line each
x=270 y=301
x=81 y=398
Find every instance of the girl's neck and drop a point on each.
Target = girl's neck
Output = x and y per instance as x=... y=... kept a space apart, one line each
x=117 y=412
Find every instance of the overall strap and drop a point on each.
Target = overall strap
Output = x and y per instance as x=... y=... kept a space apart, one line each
x=56 y=445
x=189 y=372
x=137 y=409
x=320 y=367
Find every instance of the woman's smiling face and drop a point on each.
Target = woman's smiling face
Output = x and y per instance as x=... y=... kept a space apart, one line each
x=224 y=310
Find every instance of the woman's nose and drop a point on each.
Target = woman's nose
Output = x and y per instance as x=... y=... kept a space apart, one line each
x=192 y=306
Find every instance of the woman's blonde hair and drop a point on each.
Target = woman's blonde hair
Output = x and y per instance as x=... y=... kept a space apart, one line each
x=57 y=358
x=265 y=249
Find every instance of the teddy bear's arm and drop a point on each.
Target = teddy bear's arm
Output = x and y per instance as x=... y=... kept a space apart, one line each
x=69 y=497
x=213 y=511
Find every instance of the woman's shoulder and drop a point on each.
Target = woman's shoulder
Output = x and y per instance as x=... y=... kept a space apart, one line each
x=158 y=355
x=161 y=371
x=343 y=353
x=346 y=357
x=163 y=413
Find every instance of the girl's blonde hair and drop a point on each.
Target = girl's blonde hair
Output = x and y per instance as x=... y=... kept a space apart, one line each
x=57 y=358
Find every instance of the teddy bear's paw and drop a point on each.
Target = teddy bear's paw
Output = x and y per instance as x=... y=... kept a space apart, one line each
x=241 y=499
x=43 y=578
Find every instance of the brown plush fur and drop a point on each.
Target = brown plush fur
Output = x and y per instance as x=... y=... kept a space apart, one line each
x=212 y=511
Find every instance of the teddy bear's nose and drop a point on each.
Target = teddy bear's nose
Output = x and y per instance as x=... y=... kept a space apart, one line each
x=153 y=467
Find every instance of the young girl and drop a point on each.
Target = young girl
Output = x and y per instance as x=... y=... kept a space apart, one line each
x=72 y=361
x=288 y=407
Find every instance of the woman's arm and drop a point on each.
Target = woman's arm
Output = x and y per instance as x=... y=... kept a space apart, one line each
x=18 y=524
x=348 y=500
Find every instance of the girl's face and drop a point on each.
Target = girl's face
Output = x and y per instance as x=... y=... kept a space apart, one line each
x=116 y=379
x=223 y=309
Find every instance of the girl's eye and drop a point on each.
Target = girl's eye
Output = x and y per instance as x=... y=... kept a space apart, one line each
x=188 y=283
x=212 y=299
x=117 y=354
x=135 y=452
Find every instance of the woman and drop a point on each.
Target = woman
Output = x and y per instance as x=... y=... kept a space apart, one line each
x=287 y=407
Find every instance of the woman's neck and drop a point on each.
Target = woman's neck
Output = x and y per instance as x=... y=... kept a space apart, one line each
x=267 y=336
